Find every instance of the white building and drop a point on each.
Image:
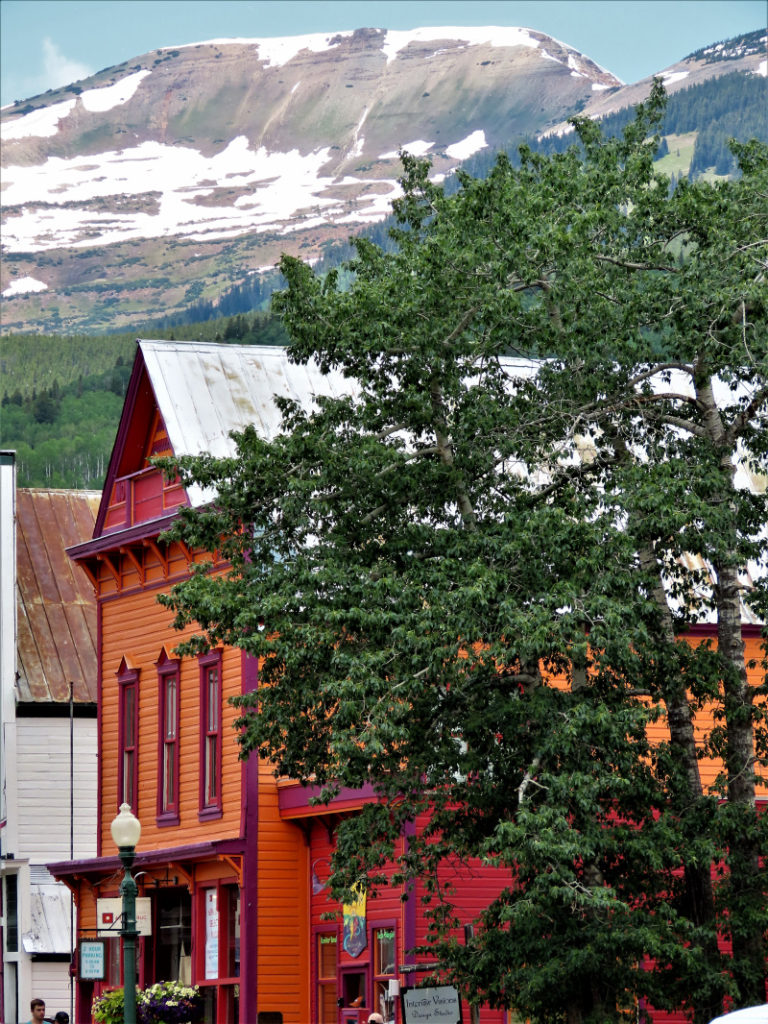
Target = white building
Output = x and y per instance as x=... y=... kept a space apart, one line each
x=48 y=735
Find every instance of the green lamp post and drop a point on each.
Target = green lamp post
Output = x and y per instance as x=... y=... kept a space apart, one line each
x=126 y=830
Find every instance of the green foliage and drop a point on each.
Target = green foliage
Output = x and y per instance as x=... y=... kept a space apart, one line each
x=108 y=1008
x=416 y=562
x=731 y=106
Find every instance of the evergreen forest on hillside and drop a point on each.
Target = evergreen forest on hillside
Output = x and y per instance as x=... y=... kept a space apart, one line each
x=62 y=396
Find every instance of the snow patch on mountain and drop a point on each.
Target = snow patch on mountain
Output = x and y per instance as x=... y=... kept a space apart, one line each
x=467 y=147
x=673 y=76
x=493 y=35
x=275 y=188
x=280 y=49
x=23 y=286
x=416 y=148
x=42 y=123
x=100 y=100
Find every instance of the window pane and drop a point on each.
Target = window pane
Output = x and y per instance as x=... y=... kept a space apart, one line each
x=328 y=1011
x=326 y=956
x=11 y=914
x=384 y=951
x=169 y=776
x=211 y=769
x=129 y=706
x=128 y=761
x=233 y=932
x=383 y=1001
x=213 y=699
x=170 y=707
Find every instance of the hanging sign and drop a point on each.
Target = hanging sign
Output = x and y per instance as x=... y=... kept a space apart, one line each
x=109 y=916
x=438 y=1004
x=353 y=914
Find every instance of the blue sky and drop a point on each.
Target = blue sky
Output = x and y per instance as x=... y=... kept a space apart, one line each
x=48 y=43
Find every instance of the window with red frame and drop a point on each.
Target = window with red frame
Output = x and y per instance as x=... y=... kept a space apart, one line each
x=210 y=735
x=218 y=955
x=127 y=783
x=168 y=745
x=384 y=970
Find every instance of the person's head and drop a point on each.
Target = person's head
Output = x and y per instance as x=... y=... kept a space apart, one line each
x=37 y=1006
x=61 y=1018
x=375 y=1018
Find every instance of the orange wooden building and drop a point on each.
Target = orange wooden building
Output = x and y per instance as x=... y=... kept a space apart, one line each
x=231 y=864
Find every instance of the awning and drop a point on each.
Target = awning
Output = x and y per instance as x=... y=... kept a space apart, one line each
x=50 y=919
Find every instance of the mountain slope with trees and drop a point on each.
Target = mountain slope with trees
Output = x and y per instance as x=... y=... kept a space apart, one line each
x=62 y=396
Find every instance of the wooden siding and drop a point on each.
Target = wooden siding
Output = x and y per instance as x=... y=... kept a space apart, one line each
x=51 y=982
x=44 y=793
x=143 y=494
x=704 y=720
x=137 y=628
x=283 y=910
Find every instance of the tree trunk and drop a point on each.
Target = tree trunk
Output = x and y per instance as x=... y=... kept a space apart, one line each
x=700 y=900
x=749 y=952
x=747 y=930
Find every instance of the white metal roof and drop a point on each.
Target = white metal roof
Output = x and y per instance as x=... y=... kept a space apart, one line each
x=751 y=1015
x=206 y=390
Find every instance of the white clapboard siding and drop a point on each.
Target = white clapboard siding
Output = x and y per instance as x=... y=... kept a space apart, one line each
x=51 y=983
x=43 y=771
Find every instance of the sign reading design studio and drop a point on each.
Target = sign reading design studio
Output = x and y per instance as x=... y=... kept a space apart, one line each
x=438 y=1004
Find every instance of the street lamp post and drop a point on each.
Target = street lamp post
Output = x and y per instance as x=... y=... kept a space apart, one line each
x=126 y=830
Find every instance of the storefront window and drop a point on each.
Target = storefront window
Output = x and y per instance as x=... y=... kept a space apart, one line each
x=232 y=930
x=172 y=937
x=384 y=972
x=220 y=966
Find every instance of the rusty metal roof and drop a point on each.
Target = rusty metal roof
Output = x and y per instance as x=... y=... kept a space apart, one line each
x=55 y=601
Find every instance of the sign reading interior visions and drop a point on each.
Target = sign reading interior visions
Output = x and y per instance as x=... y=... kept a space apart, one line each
x=439 y=1004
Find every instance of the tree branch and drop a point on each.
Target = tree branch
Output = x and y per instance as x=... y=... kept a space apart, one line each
x=628 y=265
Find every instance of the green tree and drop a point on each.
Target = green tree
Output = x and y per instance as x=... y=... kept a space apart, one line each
x=428 y=553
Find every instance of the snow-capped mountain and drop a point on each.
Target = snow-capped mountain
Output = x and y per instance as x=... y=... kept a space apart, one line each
x=203 y=163
x=747 y=54
x=177 y=174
